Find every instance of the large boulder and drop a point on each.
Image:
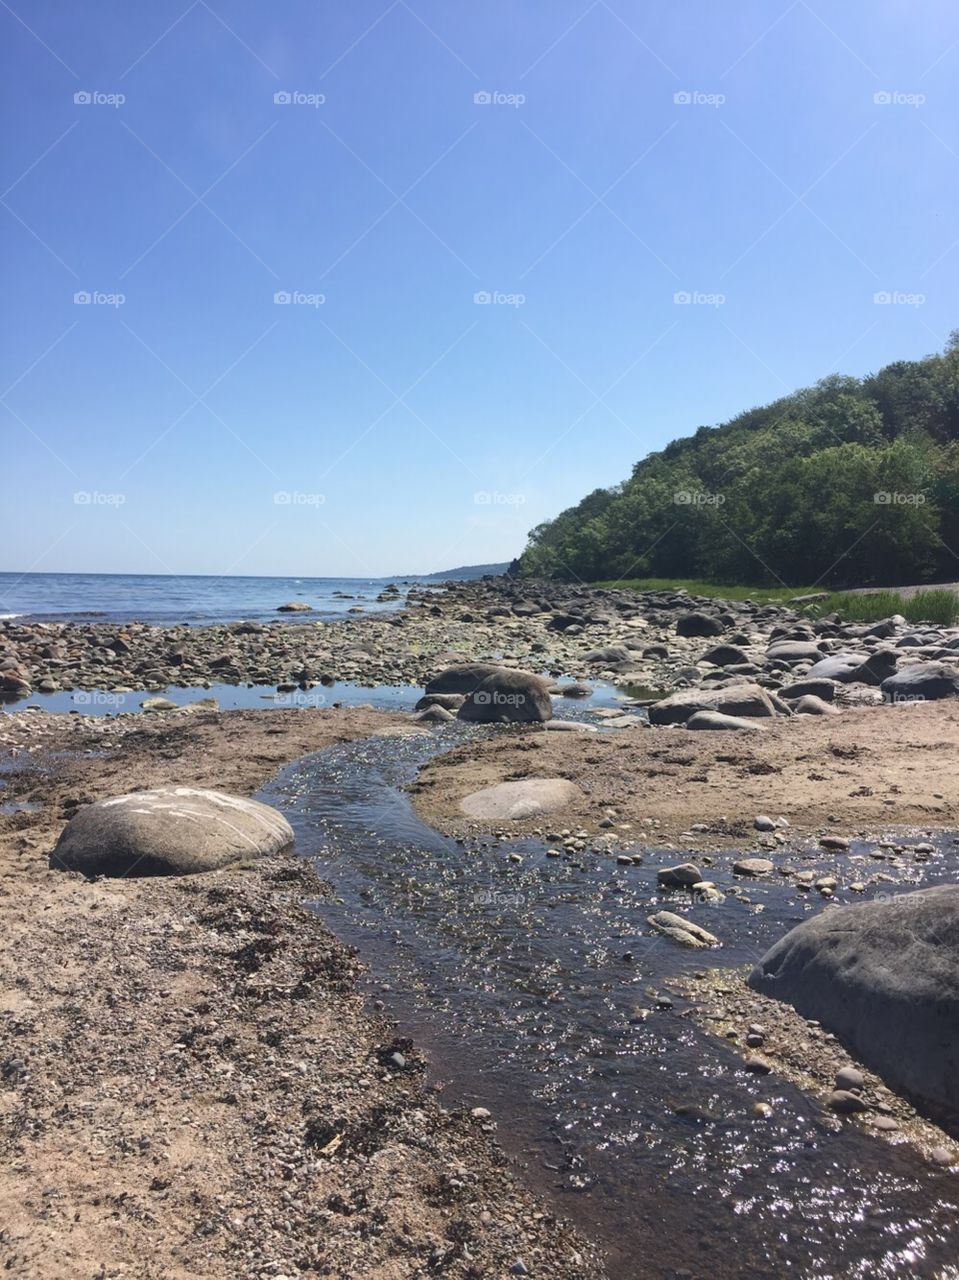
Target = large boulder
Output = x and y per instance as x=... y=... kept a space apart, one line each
x=923 y=681
x=746 y=699
x=612 y=655
x=883 y=977
x=794 y=651
x=508 y=695
x=462 y=678
x=855 y=668
x=172 y=831
x=698 y=624
x=525 y=799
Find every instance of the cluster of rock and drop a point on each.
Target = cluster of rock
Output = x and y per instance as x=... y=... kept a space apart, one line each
x=720 y=661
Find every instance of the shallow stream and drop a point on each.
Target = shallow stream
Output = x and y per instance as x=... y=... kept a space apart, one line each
x=507 y=967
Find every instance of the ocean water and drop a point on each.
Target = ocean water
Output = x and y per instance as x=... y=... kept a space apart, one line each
x=192 y=599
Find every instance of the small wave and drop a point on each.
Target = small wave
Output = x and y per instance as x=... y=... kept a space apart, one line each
x=5 y=617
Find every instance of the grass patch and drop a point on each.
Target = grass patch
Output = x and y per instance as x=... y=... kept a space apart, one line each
x=936 y=605
x=718 y=591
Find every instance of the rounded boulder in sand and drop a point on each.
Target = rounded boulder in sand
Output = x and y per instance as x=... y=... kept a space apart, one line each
x=883 y=977
x=172 y=831
x=526 y=799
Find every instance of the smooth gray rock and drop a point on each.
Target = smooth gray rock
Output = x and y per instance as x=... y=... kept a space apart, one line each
x=462 y=678
x=810 y=705
x=698 y=624
x=884 y=978
x=716 y=720
x=682 y=930
x=683 y=876
x=525 y=799
x=726 y=655
x=744 y=699
x=508 y=695
x=923 y=681
x=171 y=831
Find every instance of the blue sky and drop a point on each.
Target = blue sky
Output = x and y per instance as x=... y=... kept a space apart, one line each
x=382 y=164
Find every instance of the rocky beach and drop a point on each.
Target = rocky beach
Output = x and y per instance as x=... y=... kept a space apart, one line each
x=194 y=1075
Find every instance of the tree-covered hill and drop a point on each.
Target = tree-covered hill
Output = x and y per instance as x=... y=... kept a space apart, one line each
x=850 y=482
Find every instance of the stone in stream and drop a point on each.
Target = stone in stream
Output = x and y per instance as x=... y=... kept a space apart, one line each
x=846 y=1103
x=569 y=726
x=682 y=930
x=434 y=714
x=525 y=799
x=449 y=701
x=169 y=831
x=575 y=690
x=683 y=876
x=923 y=681
x=508 y=695
x=884 y=978
x=294 y=606
x=753 y=867
x=159 y=704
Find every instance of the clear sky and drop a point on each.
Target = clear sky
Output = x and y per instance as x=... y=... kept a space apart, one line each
x=382 y=163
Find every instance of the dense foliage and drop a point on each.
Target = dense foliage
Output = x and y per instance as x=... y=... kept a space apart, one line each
x=852 y=481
